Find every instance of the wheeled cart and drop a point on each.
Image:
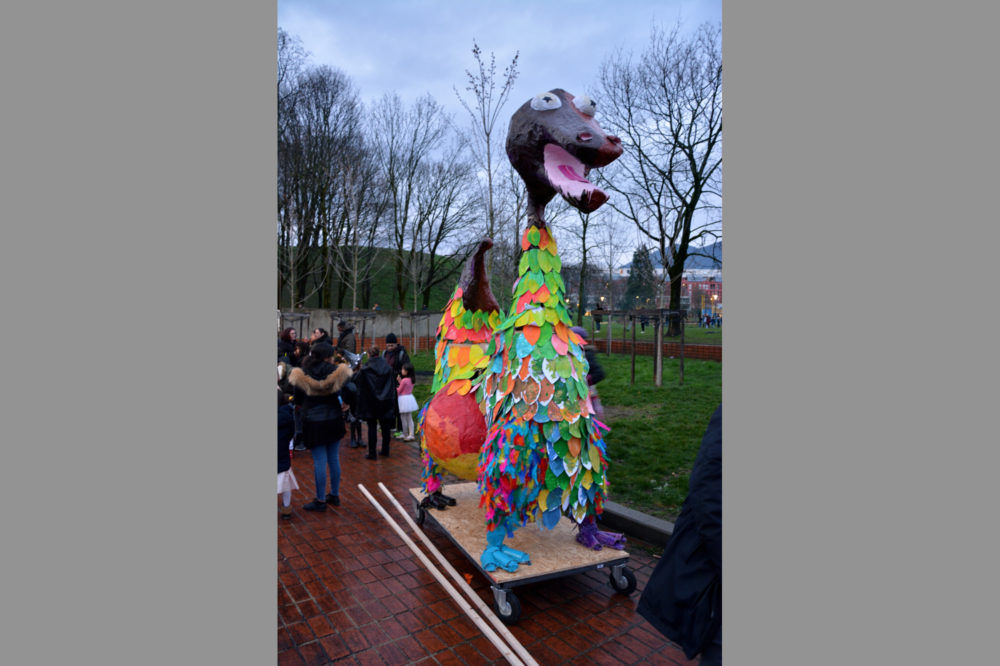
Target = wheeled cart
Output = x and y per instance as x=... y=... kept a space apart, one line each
x=554 y=552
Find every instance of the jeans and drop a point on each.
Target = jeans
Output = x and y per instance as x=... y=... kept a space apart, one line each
x=327 y=456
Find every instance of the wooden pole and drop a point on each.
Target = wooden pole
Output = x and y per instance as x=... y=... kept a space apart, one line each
x=658 y=354
x=633 y=322
x=611 y=320
x=462 y=585
x=681 y=319
x=462 y=603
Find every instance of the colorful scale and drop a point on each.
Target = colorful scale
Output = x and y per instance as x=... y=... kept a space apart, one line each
x=462 y=337
x=459 y=358
x=545 y=452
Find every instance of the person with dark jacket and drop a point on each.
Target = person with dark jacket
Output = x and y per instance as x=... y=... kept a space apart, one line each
x=317 y=386
x=396 y=356
x=345 y=336
x=595 y=373
x=683 y=598
x=376 y=402
x=301 y=351
x=286 y=477
x=320 y=335
x=286 y=346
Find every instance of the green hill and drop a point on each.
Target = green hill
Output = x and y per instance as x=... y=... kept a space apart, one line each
x=380 y=290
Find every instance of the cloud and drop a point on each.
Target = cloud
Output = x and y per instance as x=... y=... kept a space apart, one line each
x=413 y=47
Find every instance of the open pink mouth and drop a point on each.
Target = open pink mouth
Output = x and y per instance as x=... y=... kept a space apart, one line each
x=566 y=174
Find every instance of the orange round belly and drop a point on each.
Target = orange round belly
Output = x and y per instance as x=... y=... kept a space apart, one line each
x=454 y=430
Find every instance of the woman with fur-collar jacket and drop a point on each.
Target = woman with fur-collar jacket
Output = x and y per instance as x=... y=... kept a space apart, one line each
x=317 y=385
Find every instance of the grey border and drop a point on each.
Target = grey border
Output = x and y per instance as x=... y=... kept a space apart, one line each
x=858 y=526
x=857 y=520
x=138 y=183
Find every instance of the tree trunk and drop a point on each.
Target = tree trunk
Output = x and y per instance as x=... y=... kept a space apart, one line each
x=675 y=301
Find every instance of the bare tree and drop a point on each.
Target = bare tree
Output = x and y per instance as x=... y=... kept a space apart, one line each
x=364 y=206
x=511 y=208
x=666 y=106
x=484 y=110
x=446 y=217
x=319 y=118
x=578 y=226
x=405 y=142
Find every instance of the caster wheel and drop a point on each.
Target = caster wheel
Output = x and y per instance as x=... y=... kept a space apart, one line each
x=624 y=584
x=510 y=611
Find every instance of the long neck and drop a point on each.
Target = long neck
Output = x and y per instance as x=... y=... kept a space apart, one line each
x=476 y=292
x=536 y=212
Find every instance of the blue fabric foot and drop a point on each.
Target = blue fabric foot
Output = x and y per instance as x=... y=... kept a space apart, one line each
x=506 y=558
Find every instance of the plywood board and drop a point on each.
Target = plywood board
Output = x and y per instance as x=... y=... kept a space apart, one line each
x=552 y=552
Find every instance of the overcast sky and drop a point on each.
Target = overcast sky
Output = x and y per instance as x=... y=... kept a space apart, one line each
x=417 y=46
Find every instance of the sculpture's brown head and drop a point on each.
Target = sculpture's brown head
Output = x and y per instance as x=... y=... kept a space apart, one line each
x=553 y=142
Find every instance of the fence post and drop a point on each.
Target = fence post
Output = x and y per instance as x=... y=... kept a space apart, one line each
x=682 y=316
x=658 y=354
x=631 y=319
x=611 y=321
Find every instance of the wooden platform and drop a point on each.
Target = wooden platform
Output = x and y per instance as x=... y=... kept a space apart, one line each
x=553 y=552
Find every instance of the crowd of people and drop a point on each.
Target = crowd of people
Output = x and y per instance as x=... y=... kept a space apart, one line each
x=324 y=388
x=321 y=391
x=710 y=321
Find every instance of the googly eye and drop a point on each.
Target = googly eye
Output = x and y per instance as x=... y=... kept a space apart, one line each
x=586 y=105
x=545 y=101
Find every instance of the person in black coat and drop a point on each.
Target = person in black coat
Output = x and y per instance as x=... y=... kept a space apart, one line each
x=345 y=336
x=286 y=346
x=683 y=598
x=317 y=386
x=320 y=335
x=396 y=356
x=376 y=401
x=595 y=372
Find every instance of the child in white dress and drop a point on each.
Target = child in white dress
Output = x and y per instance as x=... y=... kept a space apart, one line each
x=407 y=403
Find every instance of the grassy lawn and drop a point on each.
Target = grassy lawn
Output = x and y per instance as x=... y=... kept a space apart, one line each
x=693 y=334
x=655 y=431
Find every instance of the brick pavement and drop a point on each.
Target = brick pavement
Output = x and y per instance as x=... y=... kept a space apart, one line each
x=350 y=591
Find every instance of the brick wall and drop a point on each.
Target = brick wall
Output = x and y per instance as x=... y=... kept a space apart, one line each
x=701 y=352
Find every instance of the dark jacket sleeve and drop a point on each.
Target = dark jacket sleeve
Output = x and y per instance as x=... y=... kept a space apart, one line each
x=706 y=485
x=683 y=597
x=596 y=372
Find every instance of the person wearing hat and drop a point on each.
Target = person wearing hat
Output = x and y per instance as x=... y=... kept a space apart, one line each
x=395 y=355
x=595 y=373
x=317 y=389
x=345 y=336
